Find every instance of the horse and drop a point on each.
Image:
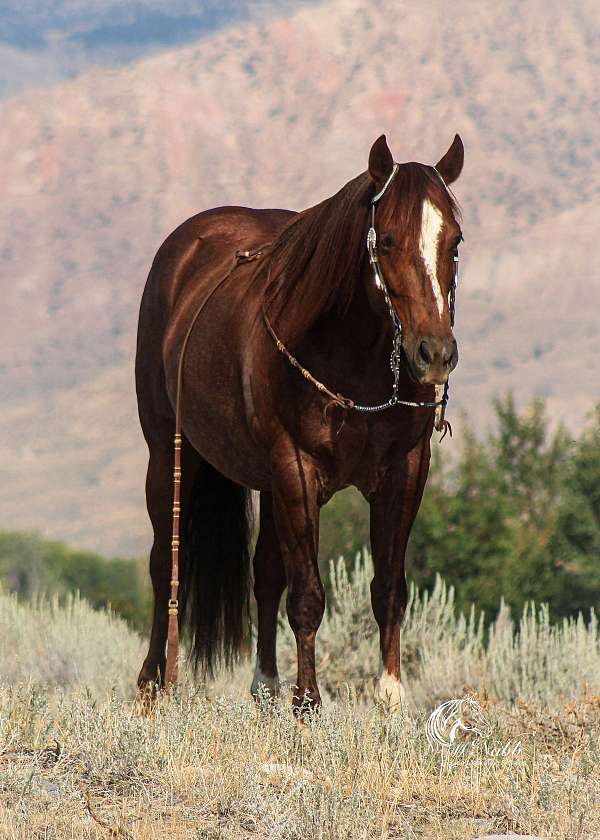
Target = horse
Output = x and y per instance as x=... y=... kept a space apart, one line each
x=265 y=340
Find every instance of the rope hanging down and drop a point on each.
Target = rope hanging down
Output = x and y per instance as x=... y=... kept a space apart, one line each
x=172 y=664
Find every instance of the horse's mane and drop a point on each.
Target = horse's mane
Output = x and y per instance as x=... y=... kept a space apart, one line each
x=315 y=262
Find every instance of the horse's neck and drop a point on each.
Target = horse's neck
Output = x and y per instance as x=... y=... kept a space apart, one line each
x=352 y=349
x=360 y=326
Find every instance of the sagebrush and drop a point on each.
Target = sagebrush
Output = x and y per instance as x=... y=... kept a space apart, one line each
x=79 y=760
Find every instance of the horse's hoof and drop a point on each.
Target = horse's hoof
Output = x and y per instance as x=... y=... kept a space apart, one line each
x=390 y=695
x=146 y=696
x=264 y=687
x=306 y=705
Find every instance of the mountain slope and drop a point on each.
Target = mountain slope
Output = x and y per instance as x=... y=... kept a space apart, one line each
x=44 y=41
x=97 y=171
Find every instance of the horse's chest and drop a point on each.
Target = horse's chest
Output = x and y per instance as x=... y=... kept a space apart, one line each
x=334 y=445
x=354 y=450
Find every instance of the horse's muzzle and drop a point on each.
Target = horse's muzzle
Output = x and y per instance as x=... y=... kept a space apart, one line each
x=434 y=359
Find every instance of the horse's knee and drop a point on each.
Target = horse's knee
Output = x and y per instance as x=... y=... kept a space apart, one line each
x=388 y=599
x=306 y=607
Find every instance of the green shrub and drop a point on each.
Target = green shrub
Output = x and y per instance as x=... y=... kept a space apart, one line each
x=516 y=515
x=30 y=564
x=65 y=643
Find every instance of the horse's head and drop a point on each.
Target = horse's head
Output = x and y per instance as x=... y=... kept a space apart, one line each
x=417 y=240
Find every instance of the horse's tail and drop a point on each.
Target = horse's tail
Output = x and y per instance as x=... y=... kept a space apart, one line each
x=215 y=577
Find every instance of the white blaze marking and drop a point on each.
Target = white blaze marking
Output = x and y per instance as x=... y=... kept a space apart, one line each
x=431 y=227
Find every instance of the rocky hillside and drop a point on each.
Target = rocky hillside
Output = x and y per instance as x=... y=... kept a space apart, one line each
x=95 y=172
x=44 y=41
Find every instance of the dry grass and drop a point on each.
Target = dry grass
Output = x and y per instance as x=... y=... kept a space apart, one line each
x=79 y=761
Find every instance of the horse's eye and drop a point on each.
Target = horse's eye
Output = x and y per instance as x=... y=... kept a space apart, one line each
x=457 y=242
x=387 y=242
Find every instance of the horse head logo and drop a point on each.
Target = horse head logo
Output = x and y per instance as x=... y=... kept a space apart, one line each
x=455 y=721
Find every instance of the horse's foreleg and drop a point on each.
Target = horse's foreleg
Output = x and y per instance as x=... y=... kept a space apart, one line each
x=393 y=510
x=269 y=583
x=296 y=516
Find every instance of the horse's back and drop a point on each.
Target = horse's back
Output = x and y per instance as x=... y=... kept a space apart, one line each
x=188 y=265
x=202 y=242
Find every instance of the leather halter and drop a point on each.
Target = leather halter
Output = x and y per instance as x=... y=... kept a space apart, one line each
x=372 y=243
x=441 y=424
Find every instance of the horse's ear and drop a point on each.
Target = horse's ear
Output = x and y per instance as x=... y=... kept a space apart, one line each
x=381 y=161
x=450 y=166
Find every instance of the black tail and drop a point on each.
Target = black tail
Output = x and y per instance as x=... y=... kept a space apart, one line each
x=215 y=579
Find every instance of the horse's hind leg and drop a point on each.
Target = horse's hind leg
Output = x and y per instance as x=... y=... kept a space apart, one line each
x=296 y=513
x=159 y=500
x=269 y=583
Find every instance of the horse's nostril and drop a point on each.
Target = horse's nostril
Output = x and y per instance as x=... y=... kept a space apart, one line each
x=436 y=354
x=425 y=352
x=450 y=355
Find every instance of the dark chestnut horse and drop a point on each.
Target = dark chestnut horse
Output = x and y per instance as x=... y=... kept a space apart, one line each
x=315 y=295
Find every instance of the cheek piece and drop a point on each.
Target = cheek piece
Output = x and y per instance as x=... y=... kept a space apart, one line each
x=395 y=359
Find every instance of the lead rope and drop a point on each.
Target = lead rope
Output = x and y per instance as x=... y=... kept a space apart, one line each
x=172 y=664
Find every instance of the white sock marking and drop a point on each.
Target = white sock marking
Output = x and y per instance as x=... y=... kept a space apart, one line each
x=270 y=683
x=389 y=689
x=431 y=227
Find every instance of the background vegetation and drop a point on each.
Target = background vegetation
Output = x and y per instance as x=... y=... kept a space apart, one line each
x=79 y=759
x=514 y=516
x=31 y=565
